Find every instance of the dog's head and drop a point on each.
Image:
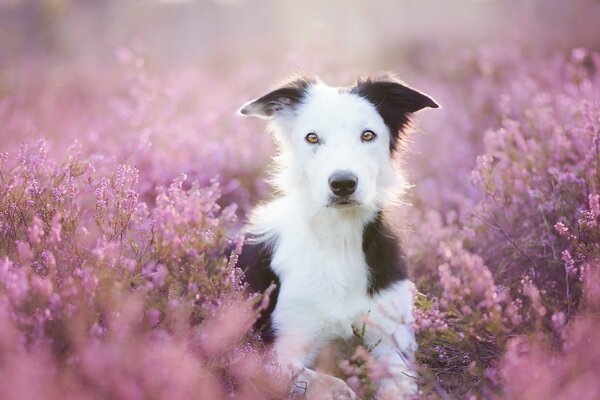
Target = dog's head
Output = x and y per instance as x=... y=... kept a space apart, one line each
x=337 y=144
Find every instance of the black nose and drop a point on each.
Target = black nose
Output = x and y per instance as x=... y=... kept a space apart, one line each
x=343 y=183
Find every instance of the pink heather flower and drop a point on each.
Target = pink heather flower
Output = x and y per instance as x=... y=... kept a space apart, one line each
x=5 y=268
x=99 y=249
x=266 y=299
x=36 y=230
x=590 y=277
x=594 y=205
x=193 y=287
x=48 y=259
x=153 y=316
x=56 y=228
x=561 y=229
x=33 y=189
x=450 y=283
x=97 y=330
x=102 y=194
x=105 y=249
x=23 y=150
x=491 y=374
x=129 y=264
x=348 y=369
x=157 y=273
x=587 y=221
x=58 y=194
x=55 y=301
x=569 y=263
x=431 y=319
x=559 y=320
x=24 y=250
x=41 y=285
x=89 y=281
x=225 y=327
x=466 y=310
x=532 y=292
x=14 y=280
x=378 y=369
x=71 y=190
x=579 y=54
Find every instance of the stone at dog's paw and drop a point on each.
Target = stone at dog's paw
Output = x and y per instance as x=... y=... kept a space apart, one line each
x=312 y=385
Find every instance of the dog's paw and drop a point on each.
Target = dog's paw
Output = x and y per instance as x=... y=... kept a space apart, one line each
x=312 y=385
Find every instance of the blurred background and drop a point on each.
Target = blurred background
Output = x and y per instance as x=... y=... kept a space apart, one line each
x=173 y=72
x=232 y=34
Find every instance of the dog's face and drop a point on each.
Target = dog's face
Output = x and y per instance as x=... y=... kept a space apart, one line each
x=336 y=144
x=341 y=146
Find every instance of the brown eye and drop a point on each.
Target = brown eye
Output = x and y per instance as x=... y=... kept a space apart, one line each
x=312 y=138
x=367 y=136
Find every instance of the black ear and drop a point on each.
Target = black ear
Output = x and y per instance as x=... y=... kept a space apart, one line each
x=395 y=102
x=280 y=100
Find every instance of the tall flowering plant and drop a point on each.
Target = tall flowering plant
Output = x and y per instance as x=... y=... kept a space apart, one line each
x=517 y=259
x=103 y=295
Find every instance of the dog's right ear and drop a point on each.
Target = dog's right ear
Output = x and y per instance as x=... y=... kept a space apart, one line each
x=279 y=101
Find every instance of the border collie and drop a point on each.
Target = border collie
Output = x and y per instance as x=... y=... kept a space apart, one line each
x=323 y=240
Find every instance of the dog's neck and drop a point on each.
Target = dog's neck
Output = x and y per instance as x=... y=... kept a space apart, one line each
x=334 y=225
x=337 y=223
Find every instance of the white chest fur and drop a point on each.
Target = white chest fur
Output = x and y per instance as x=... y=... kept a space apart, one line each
x=323 y=282
x=323 y=273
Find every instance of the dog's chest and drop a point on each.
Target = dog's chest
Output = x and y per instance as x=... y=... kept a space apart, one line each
x=324 y=277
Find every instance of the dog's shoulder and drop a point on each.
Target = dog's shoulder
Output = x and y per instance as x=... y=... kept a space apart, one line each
x=383 y=255
x=255 y=260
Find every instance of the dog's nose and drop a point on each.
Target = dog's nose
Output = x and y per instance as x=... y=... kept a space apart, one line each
x=343 y=183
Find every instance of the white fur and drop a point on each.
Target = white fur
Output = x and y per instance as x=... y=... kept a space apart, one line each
x=317 y=248
x=338 y=118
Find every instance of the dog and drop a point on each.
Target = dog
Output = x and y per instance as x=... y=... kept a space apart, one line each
x=323 y=239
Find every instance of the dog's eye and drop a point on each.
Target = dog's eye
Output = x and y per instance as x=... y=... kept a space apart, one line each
x=367 y=136
x=312 y=138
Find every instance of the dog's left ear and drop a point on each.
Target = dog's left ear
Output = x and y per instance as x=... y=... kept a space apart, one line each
x=395 y=101
x=279 y=101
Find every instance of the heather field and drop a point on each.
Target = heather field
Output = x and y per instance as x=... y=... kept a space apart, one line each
x=126 y=175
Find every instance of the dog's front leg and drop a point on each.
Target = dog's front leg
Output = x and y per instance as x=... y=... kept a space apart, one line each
x=389 y=330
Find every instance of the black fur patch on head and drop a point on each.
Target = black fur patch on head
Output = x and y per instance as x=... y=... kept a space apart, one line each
x=383 y=255
x=255 y=261
x=283 y=98
x=394 y=101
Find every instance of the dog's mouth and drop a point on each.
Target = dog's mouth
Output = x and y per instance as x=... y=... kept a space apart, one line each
x=342 y=202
